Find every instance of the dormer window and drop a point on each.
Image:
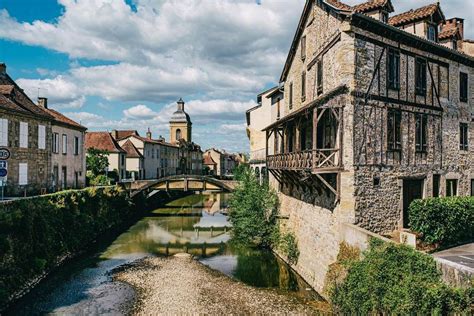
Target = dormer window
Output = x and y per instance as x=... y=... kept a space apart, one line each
x=431 y=33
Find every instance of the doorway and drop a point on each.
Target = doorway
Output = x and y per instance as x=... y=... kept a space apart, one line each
x=412 y=190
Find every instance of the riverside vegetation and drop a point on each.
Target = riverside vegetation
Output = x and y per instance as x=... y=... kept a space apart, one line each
x=392 y=279
x=37 y=233
x=254 y=217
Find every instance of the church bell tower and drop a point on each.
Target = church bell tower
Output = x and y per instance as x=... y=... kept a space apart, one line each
x=180 y=124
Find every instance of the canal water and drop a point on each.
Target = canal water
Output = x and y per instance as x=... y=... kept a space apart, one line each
x=196 y=224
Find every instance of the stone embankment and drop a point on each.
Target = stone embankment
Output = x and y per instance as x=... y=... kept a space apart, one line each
x=180 y=285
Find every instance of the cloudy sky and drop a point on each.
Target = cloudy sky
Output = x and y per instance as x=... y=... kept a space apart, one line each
x=123 y=63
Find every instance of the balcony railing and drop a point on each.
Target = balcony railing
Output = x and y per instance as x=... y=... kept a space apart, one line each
x=302 y=160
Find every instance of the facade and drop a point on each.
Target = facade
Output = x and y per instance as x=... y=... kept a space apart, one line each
x=378 y=112
x=68 y=158
x=210 y=166
x=225 y=163
x=269 y=109
x=160 y=159
x=135 y=161
x=117 y=156
x=25 y=130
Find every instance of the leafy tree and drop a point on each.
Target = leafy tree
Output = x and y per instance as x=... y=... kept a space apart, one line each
x=97 y=161
x=240 y=170
x=253 y=212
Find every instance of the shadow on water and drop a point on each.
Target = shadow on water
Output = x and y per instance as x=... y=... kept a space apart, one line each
x=194 y=224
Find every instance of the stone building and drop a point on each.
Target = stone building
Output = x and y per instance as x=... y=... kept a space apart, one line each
x=225 y=162
x=190 y=153
x=378 y=112
x=159 y=158
x=270 y=107
x=68 y=158
x=25 y=130
x=116 y=155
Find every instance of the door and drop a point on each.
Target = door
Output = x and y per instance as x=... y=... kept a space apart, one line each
x=55 y=177
x=412 y=190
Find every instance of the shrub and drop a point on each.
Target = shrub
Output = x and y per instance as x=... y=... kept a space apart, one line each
x=443 y=221
x=289 y=247
x=240 y=171
x=35 y=233
x=396 y=279
x=253 y=210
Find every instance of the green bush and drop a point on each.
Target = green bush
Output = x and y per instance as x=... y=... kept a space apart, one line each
x=240 y=171
x=396 y=279
x=289 y=247
x=443 y=221
x=36 y=232
x=253 y=210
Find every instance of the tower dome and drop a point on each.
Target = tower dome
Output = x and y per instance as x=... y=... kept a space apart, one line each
x=180 y=124
x=180 y=116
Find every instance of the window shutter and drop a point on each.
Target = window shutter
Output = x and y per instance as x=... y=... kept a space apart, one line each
x=41 y=137
x=3 y=132
x=23 y=174
x=23 y=135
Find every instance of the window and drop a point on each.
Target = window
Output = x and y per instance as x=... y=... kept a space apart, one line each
x=432 y=33
x=455 y=44
x=472 y=187
x=393 y=71
x=463 y=136
x=178 y=134
x=64 y=144
x=41 y=137
x=23 y=135
x=420 y=133
x=303 y=86
x=122 y=159
x=320 y=76
x=393 y=130
x=303 y=47
x=384 y=17
x=22 y=174
x=436 y=181
x=451 y=187
x=291 y=95
x=55 y=143
x=76 y=145
x=3 y=132
x=420 y=76
x=463 y=87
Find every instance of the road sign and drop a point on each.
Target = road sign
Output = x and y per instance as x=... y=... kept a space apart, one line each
x=3 y=172
x=3 y=164
x=4 y=154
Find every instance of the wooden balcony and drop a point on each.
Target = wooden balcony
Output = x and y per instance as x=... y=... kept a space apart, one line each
x=317 y=161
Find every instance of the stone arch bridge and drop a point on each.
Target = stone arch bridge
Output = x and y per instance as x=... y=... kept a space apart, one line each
x=180 y=183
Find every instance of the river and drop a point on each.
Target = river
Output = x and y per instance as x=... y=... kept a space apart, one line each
x=196 y=224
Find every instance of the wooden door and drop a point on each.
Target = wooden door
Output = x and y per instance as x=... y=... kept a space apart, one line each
x=412 y=190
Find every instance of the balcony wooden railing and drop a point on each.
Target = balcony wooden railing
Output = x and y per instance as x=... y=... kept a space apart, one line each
x=302 y=160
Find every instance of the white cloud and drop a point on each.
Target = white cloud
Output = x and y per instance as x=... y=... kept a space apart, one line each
x=139 y=112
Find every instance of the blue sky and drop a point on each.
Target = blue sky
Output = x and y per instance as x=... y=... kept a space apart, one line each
x=122 y=64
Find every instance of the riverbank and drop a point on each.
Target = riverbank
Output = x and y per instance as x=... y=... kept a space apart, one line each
x=181 y=285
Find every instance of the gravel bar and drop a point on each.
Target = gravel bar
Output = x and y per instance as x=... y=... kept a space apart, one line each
x=182 y=285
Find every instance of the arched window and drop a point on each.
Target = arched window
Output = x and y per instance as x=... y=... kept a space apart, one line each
x=257 y=173
x=178 y=134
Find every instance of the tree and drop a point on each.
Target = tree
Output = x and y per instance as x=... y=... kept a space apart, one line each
x=97 y=161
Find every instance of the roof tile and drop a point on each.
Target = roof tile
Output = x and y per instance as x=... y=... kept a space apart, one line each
x=414 y=15
x=102 y=141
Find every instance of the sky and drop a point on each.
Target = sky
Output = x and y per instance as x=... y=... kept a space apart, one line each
x=122 y=64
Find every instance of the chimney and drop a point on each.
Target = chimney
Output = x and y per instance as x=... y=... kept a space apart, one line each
x=3 y=69
x=148 y=133
x=114 y=134
x=161 y=138
x=180 y=104
x=459 y=22
x=43 y=102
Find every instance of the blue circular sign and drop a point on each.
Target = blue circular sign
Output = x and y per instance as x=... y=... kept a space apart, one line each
x=3 y=172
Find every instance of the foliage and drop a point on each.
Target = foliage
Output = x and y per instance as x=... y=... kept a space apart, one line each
x=99 y=180
x=396 y=279
x=443 y=221
x=253 y=212
x=97 y=161
x=35 y=233
x=288 y=246
x=240 y=171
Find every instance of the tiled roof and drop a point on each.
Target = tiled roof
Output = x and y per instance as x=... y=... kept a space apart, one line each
x=102 y=141
x=208 y=160
x=151 y=141
x=61 y=118
x=362 y=7
x=414 y=15
x=125 y=133
x=448 y=31
x=8 y=104
x=132 y=151
x=16 y=95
